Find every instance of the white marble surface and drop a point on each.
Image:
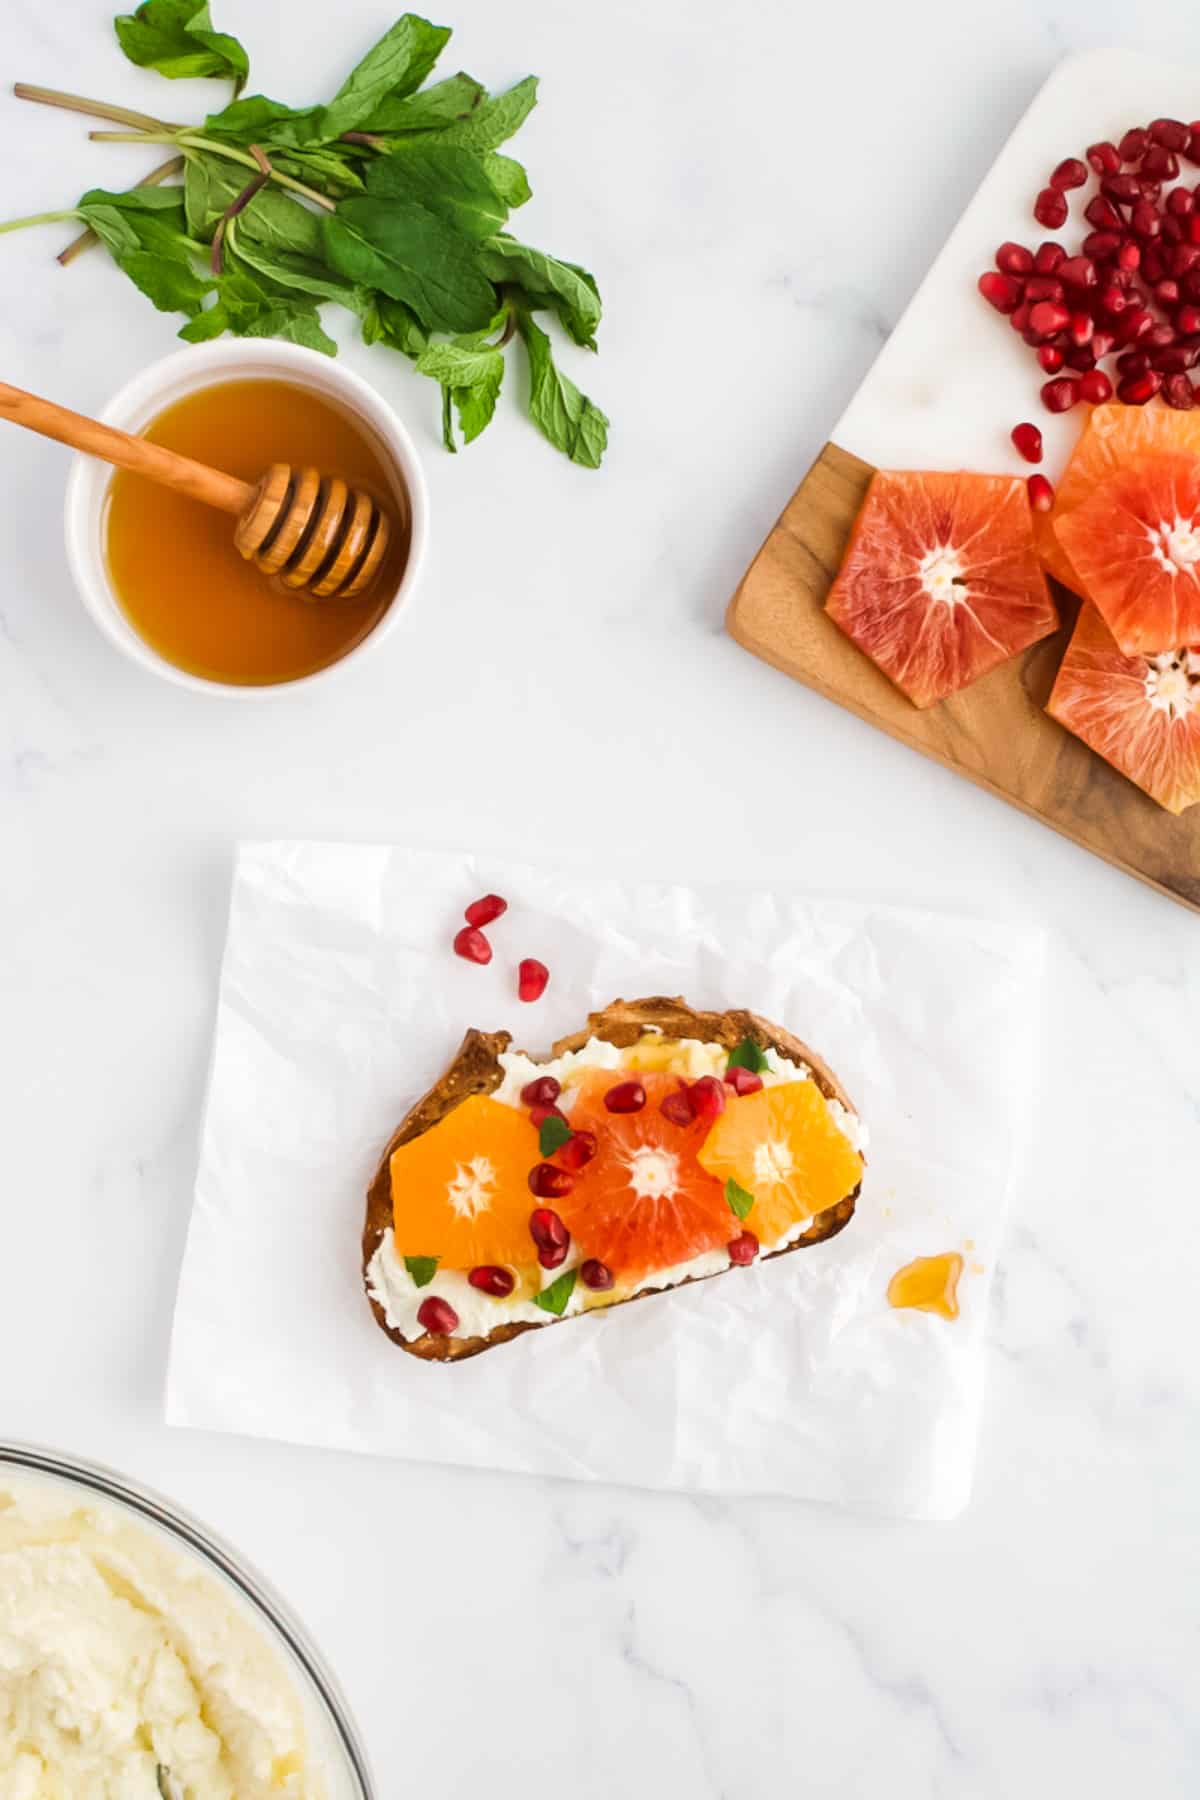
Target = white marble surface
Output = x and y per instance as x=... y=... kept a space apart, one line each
x=759 y=193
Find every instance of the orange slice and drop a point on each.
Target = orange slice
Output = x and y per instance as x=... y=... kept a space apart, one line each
x=1113 y=436
x=783 y=1146
x=1141 y=713
x=941 y=580
x=643 y=1202
x=1135 y=543
x=460 y=1191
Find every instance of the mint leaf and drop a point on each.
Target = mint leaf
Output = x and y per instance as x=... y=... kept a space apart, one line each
x=554 y=1298
x=450 y=181
x=471 y=376
x=422 y=1269
x=554 y=1133
x=748 y=1055
x=257 y=120
x=494 y=120
x=145 y=232
x=739 y=1200
x=396 y=65
x=546 y=282
x=508 y=178
x=390 y=322
x=572 y=422
x=176 y=38
x=247 y=307
x=442 y=104
x=323 y=166
x=404 y=250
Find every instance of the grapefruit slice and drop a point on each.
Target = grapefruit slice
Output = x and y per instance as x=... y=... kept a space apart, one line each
x=941 y=580
x=643 y=1203
x=1140 y=713
x=782 y=1145
x=1113 y=436
x=460 y=1191
x=1135 y=542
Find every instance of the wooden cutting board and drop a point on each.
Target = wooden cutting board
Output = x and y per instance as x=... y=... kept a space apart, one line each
x=944 y=392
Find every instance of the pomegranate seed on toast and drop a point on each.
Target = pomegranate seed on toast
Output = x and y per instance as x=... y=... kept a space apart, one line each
x=437 y=1316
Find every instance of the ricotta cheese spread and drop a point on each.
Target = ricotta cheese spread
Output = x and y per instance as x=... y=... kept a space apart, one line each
x=393 y=1288
x=127 y=1672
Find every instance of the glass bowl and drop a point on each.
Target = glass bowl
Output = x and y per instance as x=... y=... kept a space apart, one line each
x=337 y=1749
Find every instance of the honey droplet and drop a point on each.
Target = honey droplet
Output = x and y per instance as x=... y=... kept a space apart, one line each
x=930 y=1284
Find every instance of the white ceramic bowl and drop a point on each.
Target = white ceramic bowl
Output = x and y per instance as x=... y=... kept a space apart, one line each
x=160 y=386
x=335 y=1744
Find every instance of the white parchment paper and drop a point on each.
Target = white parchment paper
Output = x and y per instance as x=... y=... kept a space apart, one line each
x=341 y=1003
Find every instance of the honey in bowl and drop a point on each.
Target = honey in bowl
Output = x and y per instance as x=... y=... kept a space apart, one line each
x=172 y=562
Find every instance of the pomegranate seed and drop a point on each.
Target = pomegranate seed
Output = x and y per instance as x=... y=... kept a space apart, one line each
x=532 y=977
x=743 y=1249
x=1078 y=272
x=1047 y=257
x=1145 y=220
x=1061 y=395
x=1095 y=388
x=1033 y=338
x=625 y=1097
x=1079 y=357
x=1133 y=362
x=1070 y=173
x=1102 y=343
x=1105 y=158
x=1121 y=190
x=1050 y=357
x=1014 y=259
x=1135 y=323
x=548 y=1231
x=1050 y=209
x=1159 y=337
x=490 y=1278
x=542 y=1092
x=1042 y=287
x=1180 y=202
x=1172 y=134
x=1101 y=213
x=1133 y=145
x=549 y=1183
x=1136 y=390
x=437 y=1316
x=1041 y=494
x=1129 y=256
x=1081 y=328
x=552 y=1259
x=1178 y=392
x=678 y=1107
x=707 y=1097
x=1187 y=320
x=1190 y=284
x=1020 y=319
x=1166 y=292
x=1000 y=291
x=1028 y=440
x=1177 y=359
x=1160 y=163
x=1112 y=299
x=1193 y=228
x=1192 y=148
x=596 y=1275
x=746 y=1081
x=1151 y=190
x=1100 y=245
x=578 y=1150
x=471 y=944
x=539 y=1114
x=1174 y=229
x=1182 y=259
x=482 y=912
x=1047 y=317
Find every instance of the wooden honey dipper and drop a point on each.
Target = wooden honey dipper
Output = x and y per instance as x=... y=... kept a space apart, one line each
x=310 y=529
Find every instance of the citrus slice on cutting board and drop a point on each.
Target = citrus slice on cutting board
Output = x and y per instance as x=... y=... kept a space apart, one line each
x=1114 y=435
x=783 y=1146
x=460 y=1191
x=1135 y=544
x=1141 y=713
x=643 y=1203
x=941 y=580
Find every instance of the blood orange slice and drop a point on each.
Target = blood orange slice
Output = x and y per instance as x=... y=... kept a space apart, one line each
x=643 y=1202
x=783 y=1146
x=941 y=581
x=460 y=1191
x=1141 y=713
x=1135 y=542
x=1114 y=435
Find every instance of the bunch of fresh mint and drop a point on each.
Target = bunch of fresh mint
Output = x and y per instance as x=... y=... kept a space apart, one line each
x=391 y=200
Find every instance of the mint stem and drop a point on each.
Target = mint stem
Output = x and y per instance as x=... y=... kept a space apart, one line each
x=95 y=109
x=46 y=218
x=187 y=139
x=87 y=238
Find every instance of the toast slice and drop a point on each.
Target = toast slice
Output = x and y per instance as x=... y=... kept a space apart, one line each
x=477 y=1070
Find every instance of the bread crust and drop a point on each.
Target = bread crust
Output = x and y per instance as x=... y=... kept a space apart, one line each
x=475 y=1069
